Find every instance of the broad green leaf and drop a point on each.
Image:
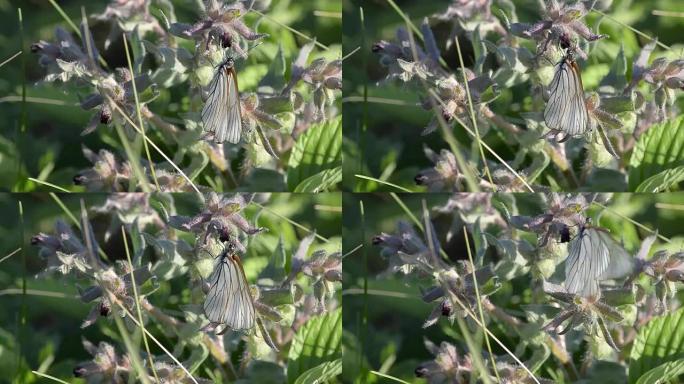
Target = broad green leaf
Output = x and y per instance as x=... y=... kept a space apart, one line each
x=658 y=342
x=663 y=373
x=275 y=77
x=616 y=77
x=662 y=181
x=321 y=373
x=316 y=342
x=322 y=181
x=659 y=149
x=317 y=149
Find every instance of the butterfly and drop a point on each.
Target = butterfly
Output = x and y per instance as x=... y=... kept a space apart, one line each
x=566 y=110
x=221 y=113
x=229 y=300
x=594 y=256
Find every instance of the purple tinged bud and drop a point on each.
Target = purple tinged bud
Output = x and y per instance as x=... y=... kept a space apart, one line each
x=80 y=179
x=421 y=371
x=79 y=371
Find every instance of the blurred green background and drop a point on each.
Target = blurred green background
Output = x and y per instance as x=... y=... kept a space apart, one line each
x=395 y=313
x=50 y=148
x=393 y=141
x=50 y=340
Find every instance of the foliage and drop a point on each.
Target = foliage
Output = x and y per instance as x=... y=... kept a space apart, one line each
x=138 y=72
x=434 y=262
x=88 y=278
x=456 y=92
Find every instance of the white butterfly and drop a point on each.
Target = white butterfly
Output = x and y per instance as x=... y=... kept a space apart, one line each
x=221 y=113
x=229 y=300
x=566 y=110
x=587 y=261
x=594 y=256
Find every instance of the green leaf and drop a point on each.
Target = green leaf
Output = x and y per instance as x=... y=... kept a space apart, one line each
x=479 y=50
x=658 y=342
x=317 y=149
x=321 y=373
x=616 y=77
x=662 y=181
x=316 y=342
x=659 y=149
x=322 y=181
x=199 y=161
x=275 y=77
x=663 y=373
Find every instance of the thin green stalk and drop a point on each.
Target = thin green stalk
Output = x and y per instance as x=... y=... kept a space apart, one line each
x=343 y=256
x=427 y=230
x=36 y=100
x=66 y=210
x=487 y=147
x=364 y=323
x=474 y=349
x=73 y=26
x=638 y=32
x=415 y=220
x=472 y=113
x=407 y=211
x=501 y=344
x=348 y=55
x=57 y=187
x=296 y=32
x=74 y=220
x=38 y=292
x=24 y=117
x=479 y=304
x=133 y=160
x=296 y=224
x=638 y=224
x=137 y=109
x=133 y=352
x=411 y=26
x=10 y=254
x=24 y=308
x=657 y=12
x=176 y=167
x=137 y=305
x=159 y=344
x=386 y=376
x=66 y=18
x=13 y=56
x=448 y=135
x=364 y=68
x=45 y=375
x=379 y=292
x=371 y=99
x=399 y=187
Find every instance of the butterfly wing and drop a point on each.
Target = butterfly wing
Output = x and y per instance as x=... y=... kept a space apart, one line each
x=587 y=260
x=229 y=300
x=566 y=110
x=621 y=262
x=221 y=113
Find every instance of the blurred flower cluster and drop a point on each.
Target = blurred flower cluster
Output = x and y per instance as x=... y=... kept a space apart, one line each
x=164 y=246
x=274 y=115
